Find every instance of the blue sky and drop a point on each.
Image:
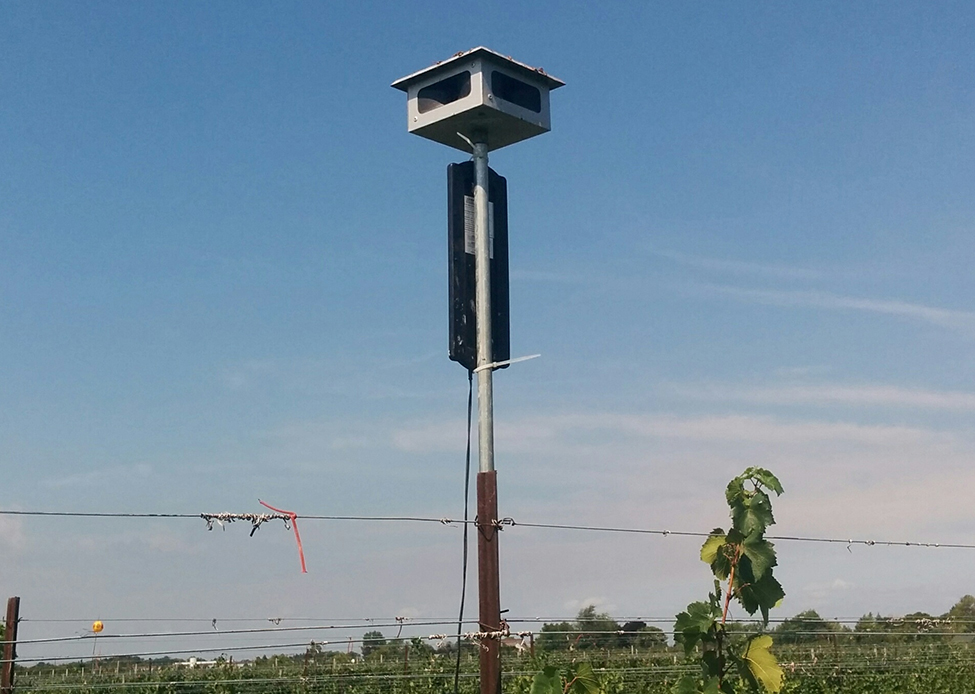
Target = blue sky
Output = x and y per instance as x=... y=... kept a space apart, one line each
x=747 y=240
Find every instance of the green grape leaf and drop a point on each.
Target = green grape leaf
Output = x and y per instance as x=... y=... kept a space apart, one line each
x=584 y=680
x=763 y=594
x=765 y=478
x=687 y=684
x=712 y=545
x=721 y=566
x=714 y=599
x=726 y=555
x=712 y=663
x=752 y=513
x=760 y=553
x=734 y=537
x=693 y=624
x=700 y=615
x=735 y=491
x=762 y=664
x=712 y=686
x=751 y=510
x=547 y=681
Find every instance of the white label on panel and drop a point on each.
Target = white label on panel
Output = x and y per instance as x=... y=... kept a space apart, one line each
x=469 y=226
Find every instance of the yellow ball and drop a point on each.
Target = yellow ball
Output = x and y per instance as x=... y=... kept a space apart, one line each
x=97 y=626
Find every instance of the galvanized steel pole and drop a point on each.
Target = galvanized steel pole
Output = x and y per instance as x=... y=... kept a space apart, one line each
x=488 y=565
x=482 y=269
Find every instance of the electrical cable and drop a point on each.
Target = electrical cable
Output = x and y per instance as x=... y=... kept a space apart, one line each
x=467 y=498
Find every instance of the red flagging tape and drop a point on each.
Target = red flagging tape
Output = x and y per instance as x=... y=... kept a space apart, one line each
x=294 y=525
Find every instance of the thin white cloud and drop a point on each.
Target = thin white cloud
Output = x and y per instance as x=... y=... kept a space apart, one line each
x=959 y=321
x=842 y=478
x=114 y=475
x=922 y=505
x=757 y=429
x=740 y=267
x=823 y=590
x=547 y=433
x=833 y=394
x=12 y=534
x=801 y=371
x=361 y=377
x=156 y=539
x=835 y=584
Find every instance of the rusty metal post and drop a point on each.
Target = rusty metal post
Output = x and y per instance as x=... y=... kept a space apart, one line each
x=9 y=646
x=488 y=582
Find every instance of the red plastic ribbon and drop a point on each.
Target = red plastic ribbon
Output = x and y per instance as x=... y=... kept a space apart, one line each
x=294 y=526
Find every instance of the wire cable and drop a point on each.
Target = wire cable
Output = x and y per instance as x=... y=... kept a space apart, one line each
x=510 y=522
x=264 y=630
x=183 y=651
x=369 y=621
x=467 y=499
x=786 y=538
x=82 y=514
x=868 y=637
x=204 y=516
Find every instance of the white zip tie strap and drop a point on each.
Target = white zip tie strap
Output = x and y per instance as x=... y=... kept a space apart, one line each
x=498 y=364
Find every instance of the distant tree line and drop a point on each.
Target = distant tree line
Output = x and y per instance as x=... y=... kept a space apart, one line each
x=598 y=630
x=809 y=627
x=593 y=629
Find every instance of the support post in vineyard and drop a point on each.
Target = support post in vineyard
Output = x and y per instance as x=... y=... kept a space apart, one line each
x=9 y=646
x=479 y=101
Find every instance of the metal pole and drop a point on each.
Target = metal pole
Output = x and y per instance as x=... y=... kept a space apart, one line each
x=487 y=483
x=9 y=646
x=482 y=271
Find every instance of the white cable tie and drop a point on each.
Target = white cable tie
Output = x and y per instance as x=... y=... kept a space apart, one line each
x=498 y=364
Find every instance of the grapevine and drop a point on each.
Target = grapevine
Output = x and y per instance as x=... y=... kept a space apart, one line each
x=742 y=562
